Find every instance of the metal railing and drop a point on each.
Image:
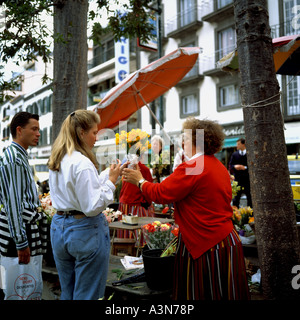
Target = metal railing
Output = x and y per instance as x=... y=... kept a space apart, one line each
x=209 y=61
x=184 y=18
x=101 y=58
x=284 y=29
x=293 y=105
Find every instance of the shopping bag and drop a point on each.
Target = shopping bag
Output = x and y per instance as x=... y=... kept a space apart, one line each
x=21 y=281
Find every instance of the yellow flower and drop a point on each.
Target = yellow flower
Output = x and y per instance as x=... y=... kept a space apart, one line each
x=136 y=138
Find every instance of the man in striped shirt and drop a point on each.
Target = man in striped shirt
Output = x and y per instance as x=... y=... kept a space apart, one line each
x=20 y=235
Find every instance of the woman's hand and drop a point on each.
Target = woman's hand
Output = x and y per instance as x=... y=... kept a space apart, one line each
x=115 y=171
x=132 y=176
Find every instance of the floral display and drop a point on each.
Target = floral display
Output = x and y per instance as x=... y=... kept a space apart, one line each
x=135 y=141
x=243 y=219
x=158 y=235
x=235 y=187
x=161 y=163
x=46 y=206
x=111 y=214
x=167 y=210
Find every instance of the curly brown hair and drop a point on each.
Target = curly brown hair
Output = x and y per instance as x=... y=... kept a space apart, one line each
x=213 y=134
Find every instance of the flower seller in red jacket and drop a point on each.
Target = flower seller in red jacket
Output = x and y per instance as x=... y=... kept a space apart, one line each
x=209 y=262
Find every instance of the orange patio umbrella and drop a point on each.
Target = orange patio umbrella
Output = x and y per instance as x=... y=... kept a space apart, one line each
x=286 y=56
x=145 y=85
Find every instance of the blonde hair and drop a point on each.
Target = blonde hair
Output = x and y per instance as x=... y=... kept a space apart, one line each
x=69 y=138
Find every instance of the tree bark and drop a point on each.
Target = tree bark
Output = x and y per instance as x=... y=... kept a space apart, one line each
x=70 y=63
x=274 y=213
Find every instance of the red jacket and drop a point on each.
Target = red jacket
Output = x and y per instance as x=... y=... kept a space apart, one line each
x=130 y=193
x=202 y=202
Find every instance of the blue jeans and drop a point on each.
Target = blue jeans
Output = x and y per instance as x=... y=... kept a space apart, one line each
x=81 y=252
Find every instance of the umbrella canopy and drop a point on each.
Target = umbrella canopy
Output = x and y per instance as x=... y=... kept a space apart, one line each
x=286 y=55
x=144 y=86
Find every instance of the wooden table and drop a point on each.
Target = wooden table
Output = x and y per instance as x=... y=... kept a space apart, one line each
x=133 y=291
x=141 y=221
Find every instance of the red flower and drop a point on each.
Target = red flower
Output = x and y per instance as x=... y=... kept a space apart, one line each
x=175 y=231
x=165 y=210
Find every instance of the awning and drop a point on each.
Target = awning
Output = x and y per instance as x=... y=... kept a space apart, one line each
x=286 y=55
x=230 y=142
x=101 y=77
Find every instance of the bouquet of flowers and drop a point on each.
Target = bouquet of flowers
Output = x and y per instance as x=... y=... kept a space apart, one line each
x=161 y=163
x=235 y=187
x=46 y=206
x=158 y=235
x=111 y=214
x=136 y=141
x=243 y=221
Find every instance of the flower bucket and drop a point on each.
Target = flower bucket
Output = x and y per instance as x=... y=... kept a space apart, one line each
x=158 y=270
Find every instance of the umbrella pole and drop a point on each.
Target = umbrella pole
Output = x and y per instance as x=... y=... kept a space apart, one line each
x=152 y=113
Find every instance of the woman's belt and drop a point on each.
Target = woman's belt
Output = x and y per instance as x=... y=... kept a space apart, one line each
x=74 y=213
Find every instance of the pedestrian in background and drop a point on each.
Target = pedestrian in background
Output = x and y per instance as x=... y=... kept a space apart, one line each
x=79 y=230
x=209 y=262
x=21 y=226
x=239 y=168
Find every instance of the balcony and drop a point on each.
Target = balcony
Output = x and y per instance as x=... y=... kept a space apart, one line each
x=194 y=75
x=185 y=21
x=216 y=10
x=284 y=29
x=293 y=105
x=208 y=64
x=101 y=58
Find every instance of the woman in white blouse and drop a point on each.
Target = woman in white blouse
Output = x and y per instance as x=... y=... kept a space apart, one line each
x=79 y=231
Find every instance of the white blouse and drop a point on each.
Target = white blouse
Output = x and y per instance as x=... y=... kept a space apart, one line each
x=77 y=186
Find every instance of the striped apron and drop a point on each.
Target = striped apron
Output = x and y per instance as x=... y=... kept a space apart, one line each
x=219 y=274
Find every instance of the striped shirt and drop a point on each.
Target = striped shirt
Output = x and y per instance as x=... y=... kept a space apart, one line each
x=18 y=192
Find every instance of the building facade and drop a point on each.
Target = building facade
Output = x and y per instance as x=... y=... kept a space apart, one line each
x=205 y=92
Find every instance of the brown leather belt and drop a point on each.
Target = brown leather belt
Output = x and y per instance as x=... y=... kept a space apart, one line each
x=74 y=213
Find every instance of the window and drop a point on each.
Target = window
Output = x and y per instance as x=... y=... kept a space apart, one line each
x=104 y=52
x=293 y=96
x=223 y=3
x=229 y=95
x=44 y=137
x=187 y=11
x=291 y=11
x=41 y=107
x=189 y=105
x=226 y=42
x=29 y=108
x=35 y=108
x=46 y=104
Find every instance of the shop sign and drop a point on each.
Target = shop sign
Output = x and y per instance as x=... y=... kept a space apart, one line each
x=121 y=59
x=234 y=131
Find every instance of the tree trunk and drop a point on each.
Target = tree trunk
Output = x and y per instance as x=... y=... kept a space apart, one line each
x=274 y=213
x=70 y=59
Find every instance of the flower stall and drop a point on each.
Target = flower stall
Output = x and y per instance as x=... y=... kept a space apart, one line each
x=243 y=221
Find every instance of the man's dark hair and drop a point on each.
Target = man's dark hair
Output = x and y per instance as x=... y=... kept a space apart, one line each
x=242 y=140
x=21 y=119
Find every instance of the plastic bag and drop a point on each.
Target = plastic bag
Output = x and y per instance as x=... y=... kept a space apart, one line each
x=256 y=277
x=22 y=281
x=247 y=240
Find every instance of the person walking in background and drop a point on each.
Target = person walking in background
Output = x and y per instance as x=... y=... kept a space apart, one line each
x=239 y=168
x=209 y=262
x=21 y=227
x=79 y=230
